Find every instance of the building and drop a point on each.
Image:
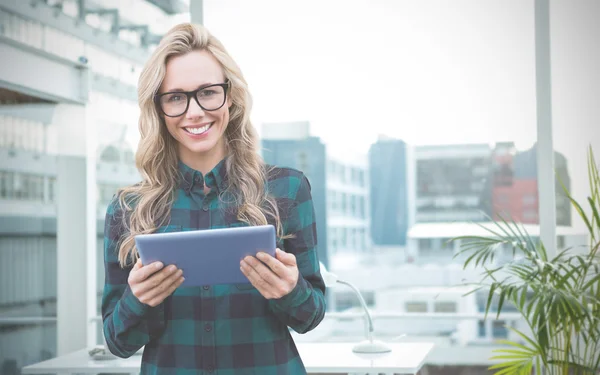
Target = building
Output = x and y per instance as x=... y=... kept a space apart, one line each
x=429 y=243
x=452 y=183
x=515 y=188
x=348 y=213
x=289 y=145
x=63 y=151
x=389 y=176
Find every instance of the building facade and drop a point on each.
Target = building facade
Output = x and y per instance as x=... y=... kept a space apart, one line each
x=348 y=206
x=515 y=187
x=68 y=108
x=452 y=183
x=389 y=178
x=289 y=145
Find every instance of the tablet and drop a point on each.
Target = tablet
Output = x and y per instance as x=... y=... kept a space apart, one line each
x=210 y=256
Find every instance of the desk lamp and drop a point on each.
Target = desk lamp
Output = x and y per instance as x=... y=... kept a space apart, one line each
x=369 y=345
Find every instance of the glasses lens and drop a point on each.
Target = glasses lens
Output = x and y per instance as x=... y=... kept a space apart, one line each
x=211 y=98
x=173 y=104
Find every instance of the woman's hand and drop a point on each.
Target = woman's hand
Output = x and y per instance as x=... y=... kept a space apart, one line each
x=152 y=283
x=274 y=277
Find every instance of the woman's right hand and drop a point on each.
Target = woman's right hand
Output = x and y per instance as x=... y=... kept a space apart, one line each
x=152 y=283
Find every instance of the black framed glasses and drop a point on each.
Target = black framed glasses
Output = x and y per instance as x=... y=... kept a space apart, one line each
x=176 y=103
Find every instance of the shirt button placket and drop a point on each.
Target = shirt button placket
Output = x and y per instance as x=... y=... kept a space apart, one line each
x=208 y=334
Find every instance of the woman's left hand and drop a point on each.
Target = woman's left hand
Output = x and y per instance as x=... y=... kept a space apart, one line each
x=273 y=277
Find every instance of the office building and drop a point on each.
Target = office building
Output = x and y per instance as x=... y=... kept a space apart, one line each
x=452 y=183
x=515 y=189
x=289 y=145
x=390 y=186
x=348 y=213
x=68 y=100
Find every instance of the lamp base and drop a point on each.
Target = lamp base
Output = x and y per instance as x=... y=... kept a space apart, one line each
x=371 y=346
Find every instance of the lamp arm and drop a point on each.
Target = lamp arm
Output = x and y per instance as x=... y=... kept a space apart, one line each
x=364 y=306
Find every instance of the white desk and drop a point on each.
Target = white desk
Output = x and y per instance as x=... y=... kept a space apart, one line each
x=405 y=358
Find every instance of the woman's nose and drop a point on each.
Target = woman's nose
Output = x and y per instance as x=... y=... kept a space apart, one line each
x=194 y=110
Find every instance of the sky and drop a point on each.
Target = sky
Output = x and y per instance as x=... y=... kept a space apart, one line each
x=427 y=71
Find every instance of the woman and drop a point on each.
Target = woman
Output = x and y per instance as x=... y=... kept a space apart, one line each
x=200 y=170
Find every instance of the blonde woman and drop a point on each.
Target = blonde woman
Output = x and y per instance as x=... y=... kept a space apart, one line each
x=200 y=170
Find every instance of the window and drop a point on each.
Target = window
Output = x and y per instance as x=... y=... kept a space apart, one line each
x=424 y=244
x=331 y=200
x=499 y=331
x=360 y=240
x=5 y=185
x=51 y=189
x=21 y=186
x=481 y=329
x=347 y=300
x=445 y=245
x=361 y=207
x=416 y=307
x=560 y=242
x=444 y=307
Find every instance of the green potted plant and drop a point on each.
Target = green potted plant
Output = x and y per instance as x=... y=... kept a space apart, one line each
x=558 y=297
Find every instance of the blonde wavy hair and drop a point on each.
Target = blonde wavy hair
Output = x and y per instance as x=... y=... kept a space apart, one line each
x=147 y=204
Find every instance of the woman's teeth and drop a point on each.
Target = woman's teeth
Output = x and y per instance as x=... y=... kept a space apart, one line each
x=198 y=130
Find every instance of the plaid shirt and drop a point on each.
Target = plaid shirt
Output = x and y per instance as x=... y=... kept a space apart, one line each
x=217 y=329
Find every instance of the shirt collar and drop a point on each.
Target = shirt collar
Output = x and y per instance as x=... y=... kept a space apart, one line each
x=193 y=179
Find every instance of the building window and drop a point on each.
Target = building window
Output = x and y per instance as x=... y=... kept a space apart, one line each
x=499 y=330
x=5 y=184
x=51 y=189
x=360 y=240
x=445 y=245
x=444 y=307
x=331 y=200
x=345 y=240
x=560 y=242
x=21 y=186
x=481 y=329
x=361 y=207
x=416 y=307
x=348 y=300
x=333 y=238
x=424 y=244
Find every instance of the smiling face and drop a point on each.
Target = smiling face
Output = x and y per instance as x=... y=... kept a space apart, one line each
x=199 y=133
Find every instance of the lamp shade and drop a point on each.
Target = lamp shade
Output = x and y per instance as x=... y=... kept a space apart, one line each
x=329 y=278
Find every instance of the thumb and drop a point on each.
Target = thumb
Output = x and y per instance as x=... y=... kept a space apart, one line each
x=138 y=264
x=286 y=258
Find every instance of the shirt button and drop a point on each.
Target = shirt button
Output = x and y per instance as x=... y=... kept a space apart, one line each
x=207 y=327
x=210 y=369
x=206 y=287
x=205 y=207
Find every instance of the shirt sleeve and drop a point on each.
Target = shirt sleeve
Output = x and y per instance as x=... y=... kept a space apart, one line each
x=128 y=324
x=304 y=307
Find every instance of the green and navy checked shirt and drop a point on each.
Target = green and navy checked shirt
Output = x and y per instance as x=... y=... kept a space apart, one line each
x=217 y=329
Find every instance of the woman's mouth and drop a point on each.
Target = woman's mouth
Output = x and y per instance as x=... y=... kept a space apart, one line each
x=197 y=130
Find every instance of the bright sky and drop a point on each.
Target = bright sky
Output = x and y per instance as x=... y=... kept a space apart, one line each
x=426 y=71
